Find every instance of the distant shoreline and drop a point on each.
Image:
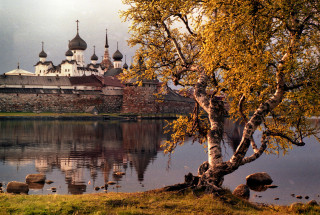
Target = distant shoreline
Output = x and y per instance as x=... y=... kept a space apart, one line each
x=84 y=116
x=93 y=117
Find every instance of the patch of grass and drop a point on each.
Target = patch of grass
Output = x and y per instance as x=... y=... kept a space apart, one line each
x=152 y=202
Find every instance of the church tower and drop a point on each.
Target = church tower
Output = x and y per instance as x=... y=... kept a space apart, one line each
x=117 y=58
x=106 y=62
x=42 y=55
x=77 y=45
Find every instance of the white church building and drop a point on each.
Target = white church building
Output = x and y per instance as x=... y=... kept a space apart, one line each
x=74 y=63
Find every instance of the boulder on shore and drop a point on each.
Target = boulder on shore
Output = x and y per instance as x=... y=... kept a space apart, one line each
x=257 y=181
x=242 y=191
x=36 y=178
x=17 y=187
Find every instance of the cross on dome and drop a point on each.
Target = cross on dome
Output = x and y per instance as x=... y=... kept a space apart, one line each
x=77 y=26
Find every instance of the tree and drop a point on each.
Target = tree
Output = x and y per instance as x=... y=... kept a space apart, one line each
x=262 y=56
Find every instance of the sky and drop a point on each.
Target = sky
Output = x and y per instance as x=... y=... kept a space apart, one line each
x=24 y=24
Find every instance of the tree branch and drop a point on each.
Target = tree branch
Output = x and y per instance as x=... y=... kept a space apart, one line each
x=186 y=23
x=240 y=105
x=257 y=153
x=279 y=134
x=176 y=45
x=292 y=87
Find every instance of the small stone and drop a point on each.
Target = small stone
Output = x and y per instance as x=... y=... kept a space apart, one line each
x=307 y=197
x=276 y=198
x=242 y=191
x=111 y=183
x=293 y=195
x=102 y=187
x=299 y=197
x=53 y=188
x=119 y=173
x=49 y=182
x=271 y=186
x=97 y=188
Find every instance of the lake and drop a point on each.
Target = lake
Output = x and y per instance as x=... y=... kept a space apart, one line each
x=81 y=155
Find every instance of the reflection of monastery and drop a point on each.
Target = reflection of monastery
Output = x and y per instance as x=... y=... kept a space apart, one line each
x=100 y=148
x=74 y=86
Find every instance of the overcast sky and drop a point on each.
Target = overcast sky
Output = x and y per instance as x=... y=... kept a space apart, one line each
x=24 y=24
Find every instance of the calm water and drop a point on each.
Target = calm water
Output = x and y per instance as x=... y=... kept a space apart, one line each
x=80 y=155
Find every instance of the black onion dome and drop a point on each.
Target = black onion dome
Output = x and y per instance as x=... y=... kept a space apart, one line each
x=94 y=57
x=125 y=66
x=42 y=54
x=117 y=56
x=69 y=53
x=77 y=43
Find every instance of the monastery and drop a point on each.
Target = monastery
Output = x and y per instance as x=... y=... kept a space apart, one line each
x=74 y=86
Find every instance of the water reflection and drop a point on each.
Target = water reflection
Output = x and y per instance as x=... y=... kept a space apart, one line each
x=80 y=155
x=233 y=133
x=75 y=147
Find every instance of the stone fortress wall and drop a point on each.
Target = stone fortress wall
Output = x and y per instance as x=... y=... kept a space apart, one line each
x=59 y=103
x=80 y=94
x=143 y=100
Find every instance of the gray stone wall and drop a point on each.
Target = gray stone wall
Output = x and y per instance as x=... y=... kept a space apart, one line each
x=141 y=100
x=71 y=103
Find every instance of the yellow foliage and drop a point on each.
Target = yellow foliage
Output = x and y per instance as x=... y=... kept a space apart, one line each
x=239 y=44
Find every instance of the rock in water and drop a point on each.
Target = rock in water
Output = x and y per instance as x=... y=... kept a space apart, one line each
x=36 y=178
x=257 y=181
x=17 y=187
x=242 y=191
x=49 y=182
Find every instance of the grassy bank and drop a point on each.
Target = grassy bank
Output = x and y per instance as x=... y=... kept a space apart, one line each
x=153 y=202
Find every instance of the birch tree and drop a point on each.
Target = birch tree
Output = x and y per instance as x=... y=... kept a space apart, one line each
x=262 y=56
